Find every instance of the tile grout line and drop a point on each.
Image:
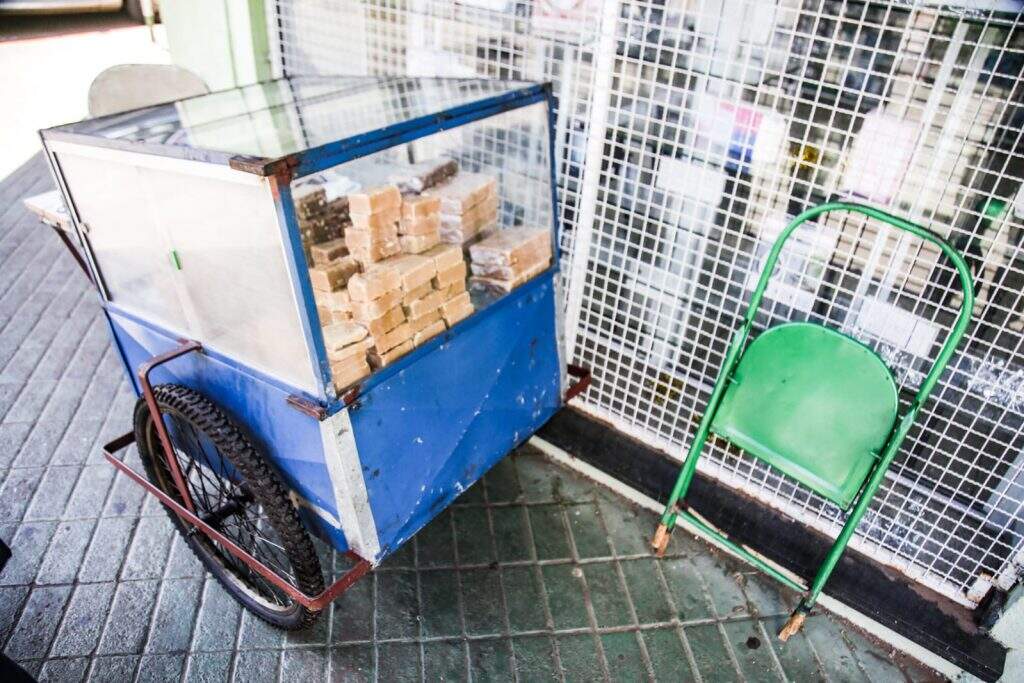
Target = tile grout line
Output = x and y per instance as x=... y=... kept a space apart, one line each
x=538 y=575
x=588 y=603
x=63 y=435
x=32 y=585
x=419 y=608
x=680 y=631
x=459 y=597
x=644 y=654
x=503 y=594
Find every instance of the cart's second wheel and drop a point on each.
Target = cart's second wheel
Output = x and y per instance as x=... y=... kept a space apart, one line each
x=234 y=490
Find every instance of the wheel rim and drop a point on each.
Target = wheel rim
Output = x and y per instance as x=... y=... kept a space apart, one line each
x=222 y=500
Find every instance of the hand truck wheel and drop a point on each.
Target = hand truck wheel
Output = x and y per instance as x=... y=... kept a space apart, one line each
x=235 y=491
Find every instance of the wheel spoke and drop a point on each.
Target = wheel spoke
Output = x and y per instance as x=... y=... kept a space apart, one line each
x=229 y=507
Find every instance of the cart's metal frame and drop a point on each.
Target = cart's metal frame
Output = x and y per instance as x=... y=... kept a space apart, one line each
x=885 y=455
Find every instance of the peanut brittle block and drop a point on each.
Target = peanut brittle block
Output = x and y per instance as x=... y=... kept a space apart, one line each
x=365 y=311
x=355 y=350
x=383 y=343
x=420 y=307
x=374 y=200
x=418 y=207
x=339 y=336
x=376 y=222
x=432 y=330
x=338 y=300
x=449 y=276
x=413 y=270
x=445 y=256
x=324 y=253
x=334 y=275
x=378 y=251
x=374 y=283
x=417 y=244
x=380 y=360
x=425 y=320
x=386 y=322
x=417 y=293
x=456 y=309
x=420 y=226
x=349 y=371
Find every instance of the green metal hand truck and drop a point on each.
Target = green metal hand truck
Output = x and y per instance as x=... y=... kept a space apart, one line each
x=816 y=405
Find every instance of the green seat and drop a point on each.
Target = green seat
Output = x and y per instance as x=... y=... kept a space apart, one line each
x=813 y=403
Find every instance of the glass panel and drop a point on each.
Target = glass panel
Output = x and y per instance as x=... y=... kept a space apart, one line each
x=131 y=250
x=239 y=294
x=464 y=216
x=268 y=119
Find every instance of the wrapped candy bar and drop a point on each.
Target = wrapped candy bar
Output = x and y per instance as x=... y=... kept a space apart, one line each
x=508 y=247
x=463 y=191
x=503 y=286
x=423 y=175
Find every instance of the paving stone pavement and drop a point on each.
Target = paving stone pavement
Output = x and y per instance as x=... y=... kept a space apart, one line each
x=533 y=575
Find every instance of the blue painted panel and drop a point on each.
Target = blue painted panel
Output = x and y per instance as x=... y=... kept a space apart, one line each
x=290 y=439
x=426 y=433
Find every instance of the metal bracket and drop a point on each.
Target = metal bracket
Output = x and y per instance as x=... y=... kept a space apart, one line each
x=313 y=602
x=187 y=511
x=582 y=376
x=307 y=407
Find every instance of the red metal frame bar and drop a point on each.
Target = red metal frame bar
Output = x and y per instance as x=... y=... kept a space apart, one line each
x=582 y=376
x=184 y=346
x=187 y=512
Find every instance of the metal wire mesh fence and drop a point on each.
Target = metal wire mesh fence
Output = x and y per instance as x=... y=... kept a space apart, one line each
x=689 y=133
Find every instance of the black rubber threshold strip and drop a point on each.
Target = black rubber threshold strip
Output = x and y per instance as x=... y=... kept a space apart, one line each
x=920 y=615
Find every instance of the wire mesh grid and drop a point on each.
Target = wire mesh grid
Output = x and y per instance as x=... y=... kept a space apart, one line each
x=689 y=133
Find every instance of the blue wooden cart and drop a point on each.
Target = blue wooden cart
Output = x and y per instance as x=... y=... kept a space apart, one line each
x=185 y=220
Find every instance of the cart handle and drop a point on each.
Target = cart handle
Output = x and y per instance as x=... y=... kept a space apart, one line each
x=966 y=283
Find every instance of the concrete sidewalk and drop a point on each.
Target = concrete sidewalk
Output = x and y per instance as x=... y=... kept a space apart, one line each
x=535 y=574
x=48 y=64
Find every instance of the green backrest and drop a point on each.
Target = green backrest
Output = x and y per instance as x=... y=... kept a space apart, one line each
x=814 y=404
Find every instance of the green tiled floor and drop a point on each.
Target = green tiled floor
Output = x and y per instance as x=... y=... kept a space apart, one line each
x=537 y=574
